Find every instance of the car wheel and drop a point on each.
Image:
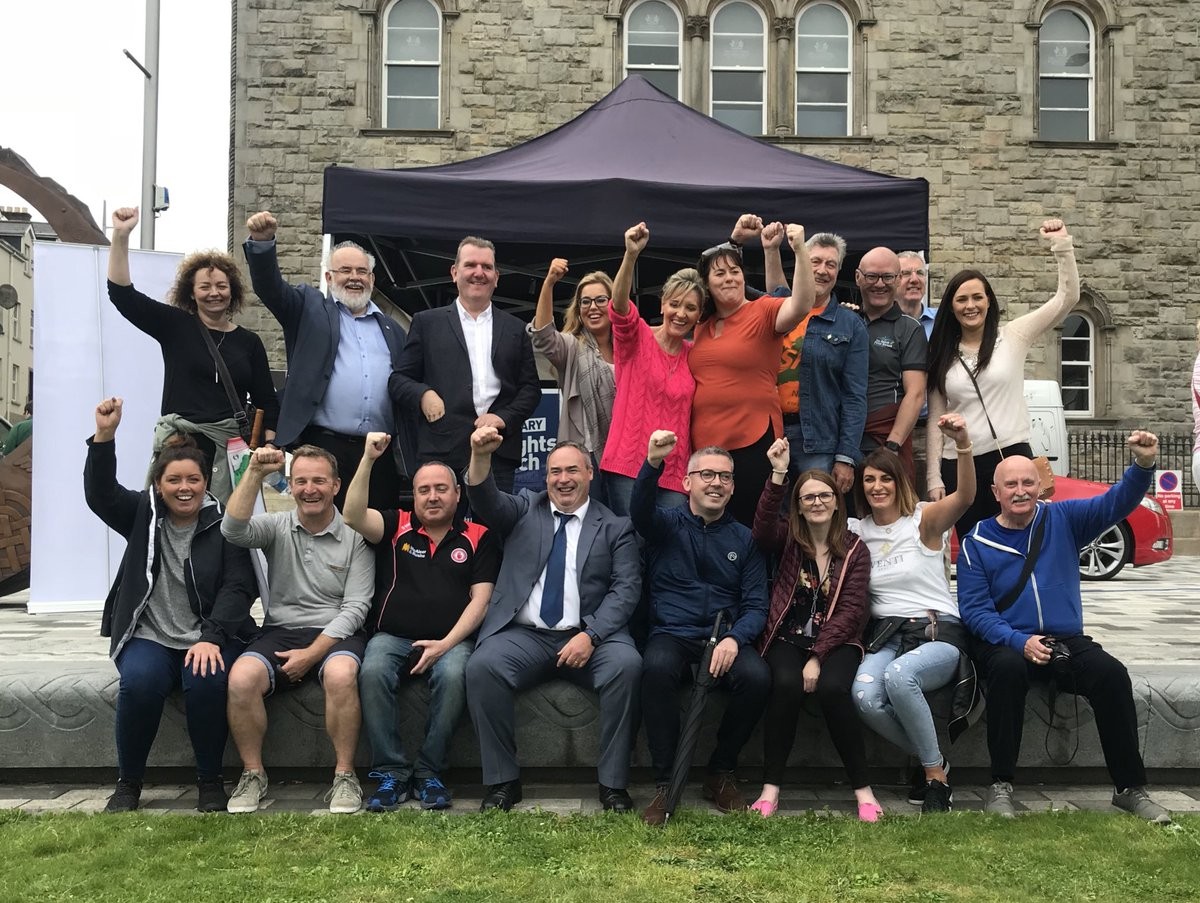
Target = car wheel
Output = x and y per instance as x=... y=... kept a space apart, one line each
x=1104 y=556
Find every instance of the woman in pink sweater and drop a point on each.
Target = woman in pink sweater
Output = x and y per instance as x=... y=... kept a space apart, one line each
x=654 y=384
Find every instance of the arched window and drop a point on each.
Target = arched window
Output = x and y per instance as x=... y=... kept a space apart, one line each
x=653 y=44
x=823 y=71
x=1067 y=76
x=738 y=67
x=1077 y=375
x=412 y=60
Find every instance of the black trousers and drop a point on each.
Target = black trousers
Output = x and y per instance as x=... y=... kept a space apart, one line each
x=751 y=468
x=388 y=489
x=833 y=695
x=666 y=667
x=985 y=504
x=1094 y=674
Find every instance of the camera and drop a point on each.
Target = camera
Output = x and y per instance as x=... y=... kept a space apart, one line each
x=1060 y=655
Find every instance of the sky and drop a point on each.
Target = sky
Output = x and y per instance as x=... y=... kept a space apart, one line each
x=81 y=123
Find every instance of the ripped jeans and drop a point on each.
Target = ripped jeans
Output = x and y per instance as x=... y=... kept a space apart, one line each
x=889 y=693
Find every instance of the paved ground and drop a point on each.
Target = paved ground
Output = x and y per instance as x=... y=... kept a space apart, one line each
x=1144 y=616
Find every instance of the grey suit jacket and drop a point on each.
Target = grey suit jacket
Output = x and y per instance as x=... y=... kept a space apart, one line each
x=608 y=565
x=435 y=357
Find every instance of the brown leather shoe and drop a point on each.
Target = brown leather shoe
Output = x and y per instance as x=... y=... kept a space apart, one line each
x=656 y=812
x=721 y=788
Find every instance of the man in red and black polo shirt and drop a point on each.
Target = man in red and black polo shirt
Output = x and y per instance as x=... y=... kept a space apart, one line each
x=434 y=579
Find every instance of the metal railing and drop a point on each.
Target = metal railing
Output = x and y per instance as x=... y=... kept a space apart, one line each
x=1102 y=455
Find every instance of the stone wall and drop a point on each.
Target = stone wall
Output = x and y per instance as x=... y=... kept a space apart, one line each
x=949 y=96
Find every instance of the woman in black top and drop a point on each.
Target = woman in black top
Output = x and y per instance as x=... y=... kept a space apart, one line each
x=208 y=288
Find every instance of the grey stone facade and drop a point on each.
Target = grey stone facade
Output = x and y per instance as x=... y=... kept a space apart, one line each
x=945 y=91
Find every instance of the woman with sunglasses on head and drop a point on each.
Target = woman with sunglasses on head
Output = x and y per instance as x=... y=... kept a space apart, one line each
x=910 y=597
x=654 y=384
x=735 y=359
x=582 y=355
x=977 y=367
x=813 y=639
x=207 y=293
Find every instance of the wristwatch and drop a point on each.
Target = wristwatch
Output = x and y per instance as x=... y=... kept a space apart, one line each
x=592 y=635
x=892 y=446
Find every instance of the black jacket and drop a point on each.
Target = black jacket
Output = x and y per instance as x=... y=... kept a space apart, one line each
x=219 y=577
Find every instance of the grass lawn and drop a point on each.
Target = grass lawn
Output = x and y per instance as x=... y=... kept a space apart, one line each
x=410 y=856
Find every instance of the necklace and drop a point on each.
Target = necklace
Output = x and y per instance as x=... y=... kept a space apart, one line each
x=217 y=369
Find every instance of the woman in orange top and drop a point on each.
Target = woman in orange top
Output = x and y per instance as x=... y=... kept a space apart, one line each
x=735 y=359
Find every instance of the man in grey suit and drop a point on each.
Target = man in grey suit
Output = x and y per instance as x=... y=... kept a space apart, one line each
x=562 y=600
x=466 y=366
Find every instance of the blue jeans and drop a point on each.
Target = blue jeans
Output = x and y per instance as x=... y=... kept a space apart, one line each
x=620 y=493
x=890 y=694
x=150 y=672
x=378 y=679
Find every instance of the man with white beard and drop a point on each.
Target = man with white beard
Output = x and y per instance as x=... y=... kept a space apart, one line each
x=341 y=349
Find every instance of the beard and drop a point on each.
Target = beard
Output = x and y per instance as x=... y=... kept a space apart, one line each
x=356 y=301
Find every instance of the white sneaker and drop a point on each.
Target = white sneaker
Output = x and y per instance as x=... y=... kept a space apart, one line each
x=1136 y=801
x=345 y=796
x=251 y=788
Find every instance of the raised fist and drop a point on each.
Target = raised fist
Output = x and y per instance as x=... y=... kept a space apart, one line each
x=262 y=226
x=1054 y=228
x=780 y=454
x=485 y=440
x=558 y=269
x=636 y=238
x=662 y=443
x=795 y=236
x=1144 y=446
x=108 y=415
x=376 y=445
x=747 y=226
x=124 y=219
x=772 y=235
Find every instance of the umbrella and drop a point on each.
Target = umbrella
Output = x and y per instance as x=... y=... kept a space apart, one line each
x=691 y=724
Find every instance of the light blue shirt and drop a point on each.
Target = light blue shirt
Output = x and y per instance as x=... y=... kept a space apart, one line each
x=356 y=401
x=928 y=315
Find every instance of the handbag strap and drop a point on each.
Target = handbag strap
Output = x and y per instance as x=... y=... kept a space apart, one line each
x=239 y=410
x=1035 y=549
x=979 y=394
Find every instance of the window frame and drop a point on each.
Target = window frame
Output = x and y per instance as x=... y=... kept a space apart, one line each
x=1091 y=78
x=764 y=69
x=849 y=70
x=1089 y=342
x=681 y=47
x=386 y=63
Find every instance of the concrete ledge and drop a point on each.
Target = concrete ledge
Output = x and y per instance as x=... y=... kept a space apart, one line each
x=57 y=715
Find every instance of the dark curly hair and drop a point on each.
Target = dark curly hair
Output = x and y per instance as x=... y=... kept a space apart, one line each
x=180 y=294
x=180 y=447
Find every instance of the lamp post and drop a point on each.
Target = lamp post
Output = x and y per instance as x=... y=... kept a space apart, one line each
x=149 y=123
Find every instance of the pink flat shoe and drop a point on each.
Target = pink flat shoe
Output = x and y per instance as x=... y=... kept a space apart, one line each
x=765 y=808
x=869 y=812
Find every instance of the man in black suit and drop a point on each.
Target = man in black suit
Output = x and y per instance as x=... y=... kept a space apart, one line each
x=467 y=366
x=341 y=349
x=560 y=608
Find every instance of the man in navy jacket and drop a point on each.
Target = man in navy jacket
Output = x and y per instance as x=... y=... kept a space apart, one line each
x=1023 y=640
x=341 y=349
x=700 y=561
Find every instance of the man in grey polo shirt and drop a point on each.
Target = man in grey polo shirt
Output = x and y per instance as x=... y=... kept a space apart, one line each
x=322 y=579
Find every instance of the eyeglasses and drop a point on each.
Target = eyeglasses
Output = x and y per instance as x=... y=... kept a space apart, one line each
x=707 y=476
x=353 y=271
x=885 y=278
x=725 y=247
x=813 y=497
x=599 y=301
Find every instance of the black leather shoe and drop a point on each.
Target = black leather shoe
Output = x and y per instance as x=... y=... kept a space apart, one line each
x=502 y=796
x=615 y=800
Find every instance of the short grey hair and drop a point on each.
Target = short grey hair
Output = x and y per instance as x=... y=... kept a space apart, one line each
x=914 y=255
x=475 y=242
x=828 y=240
x=709 y=450
x=353 y=246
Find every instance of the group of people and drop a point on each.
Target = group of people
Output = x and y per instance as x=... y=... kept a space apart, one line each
x=425 y=565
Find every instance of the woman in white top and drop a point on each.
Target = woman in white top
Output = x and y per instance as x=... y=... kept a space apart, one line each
x=909 y=593
x=968 y=341
x=1196 y=412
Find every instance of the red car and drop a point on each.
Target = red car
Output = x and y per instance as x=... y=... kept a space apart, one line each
x=1144 y=537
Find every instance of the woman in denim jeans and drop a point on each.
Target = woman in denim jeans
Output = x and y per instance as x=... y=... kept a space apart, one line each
x=908 y=585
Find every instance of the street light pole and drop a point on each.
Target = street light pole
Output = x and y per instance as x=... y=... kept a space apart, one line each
x=150 y=125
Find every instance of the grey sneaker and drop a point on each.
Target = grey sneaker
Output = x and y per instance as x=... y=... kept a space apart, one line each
x=1136 y=801
x=251 y=788
x=345 y=796
x=999 y=800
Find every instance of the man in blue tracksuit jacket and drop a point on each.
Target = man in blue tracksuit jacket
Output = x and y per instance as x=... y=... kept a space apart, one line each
x=1016 y=643
x=700 y=561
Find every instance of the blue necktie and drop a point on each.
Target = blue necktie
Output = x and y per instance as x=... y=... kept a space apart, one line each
x=556 y=573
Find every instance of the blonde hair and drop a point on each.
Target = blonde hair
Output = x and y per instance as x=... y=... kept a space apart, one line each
x=683 y=282
x=572 y=322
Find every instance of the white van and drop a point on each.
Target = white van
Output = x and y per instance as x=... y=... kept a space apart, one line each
x=1047 y=425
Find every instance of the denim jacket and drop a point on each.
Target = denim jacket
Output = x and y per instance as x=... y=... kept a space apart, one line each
x=833 y=384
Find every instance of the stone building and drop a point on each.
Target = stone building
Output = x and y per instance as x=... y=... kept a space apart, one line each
x=1082 y=108
x=18 y=233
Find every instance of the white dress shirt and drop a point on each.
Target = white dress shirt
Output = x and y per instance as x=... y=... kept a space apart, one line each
x=485 y=384
x=531 y=613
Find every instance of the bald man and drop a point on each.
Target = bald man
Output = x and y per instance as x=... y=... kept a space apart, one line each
x=1029 y=620
x=897 y=359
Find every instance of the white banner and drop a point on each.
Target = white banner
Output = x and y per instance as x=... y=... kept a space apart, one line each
x=85 y=351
